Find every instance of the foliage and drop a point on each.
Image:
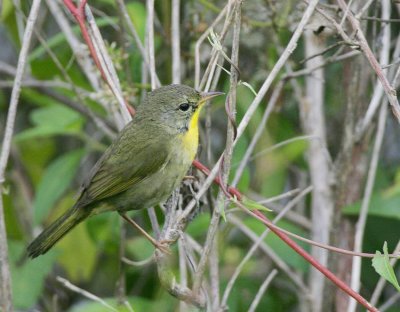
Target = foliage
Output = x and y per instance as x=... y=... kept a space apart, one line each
x=55 y=145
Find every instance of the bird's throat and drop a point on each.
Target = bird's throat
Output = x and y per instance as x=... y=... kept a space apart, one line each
x=190 y=138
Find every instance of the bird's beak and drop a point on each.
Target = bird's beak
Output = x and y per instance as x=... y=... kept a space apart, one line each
x=205 y=96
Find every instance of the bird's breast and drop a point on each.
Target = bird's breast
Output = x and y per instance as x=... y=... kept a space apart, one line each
x=190 y=139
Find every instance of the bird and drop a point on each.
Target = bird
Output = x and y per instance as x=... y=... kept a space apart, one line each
x=142 y=166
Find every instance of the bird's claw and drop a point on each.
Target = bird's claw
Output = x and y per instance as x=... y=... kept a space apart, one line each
x=163 y=246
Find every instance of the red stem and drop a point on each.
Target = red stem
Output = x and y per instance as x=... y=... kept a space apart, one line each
x=258 y=215
x=79 y=13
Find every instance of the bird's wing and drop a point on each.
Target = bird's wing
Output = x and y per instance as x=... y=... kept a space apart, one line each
x=122 y=166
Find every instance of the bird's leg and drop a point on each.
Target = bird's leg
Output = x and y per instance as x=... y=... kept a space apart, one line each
x=159 y=245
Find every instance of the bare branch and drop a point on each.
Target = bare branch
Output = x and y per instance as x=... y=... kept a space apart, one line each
x=262 y=290
x=220 y=202
x=150 y=42
x=175 y=40
x=85 y=293
x=360 y=226
x=5 y=279
x=389 y=90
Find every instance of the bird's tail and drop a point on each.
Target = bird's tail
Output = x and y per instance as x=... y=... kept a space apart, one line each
x=56 y=231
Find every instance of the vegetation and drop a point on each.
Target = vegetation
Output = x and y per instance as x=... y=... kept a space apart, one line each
x=308 y=133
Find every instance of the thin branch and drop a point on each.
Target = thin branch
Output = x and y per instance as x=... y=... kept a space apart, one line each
x=106 y=66
x=150 y=42
x=5 y=279
x=237 y=197
x=256 y=244
x=339 y=283
x=262 y=290
x=84 y=293
x=260 y=129
x=391 y=301
x=175 y=42
x=294 y=276
x=360 y=226
x=211 y=174
x=135 y=36
x=389 y=90
x=220 y=202
x=209 y=73
x=200 y=41
x=182 y=272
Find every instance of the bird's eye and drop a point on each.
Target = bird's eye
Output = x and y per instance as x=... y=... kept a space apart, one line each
x=184 y=107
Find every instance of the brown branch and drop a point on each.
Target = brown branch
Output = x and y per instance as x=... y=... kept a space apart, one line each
x=389 y=90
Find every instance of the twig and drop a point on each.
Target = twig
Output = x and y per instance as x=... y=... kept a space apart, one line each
x=260 y=129
x=154 y=222
x=135 y=36
x=200 y=41
x=327 y=60
x=389 y=90
x=5 y=279
x=392 y=300
x=280 y=197
x=339 y=283
x=150 y=42
x=214 y=273
x=256 y=244
x=278 y=66
x=175 y=42
x=360 y=226
x=294 y=276
x=237 y=197
x=313 y=123
x=79 y=50
x=84 y=293
x=381 y=20
x=262 y=290
x=376 y=99
x=220 y=203
x=182 y=272
x=211 y=174
x=167 y=277
x=283 y=143
x=108 y=69
x=215 y=53
x=364 y=8
x=138 y=263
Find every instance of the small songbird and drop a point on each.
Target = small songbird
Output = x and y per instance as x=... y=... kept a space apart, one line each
x=144 y=164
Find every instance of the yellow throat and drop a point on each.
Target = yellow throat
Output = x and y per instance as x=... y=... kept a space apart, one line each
x=191 y=137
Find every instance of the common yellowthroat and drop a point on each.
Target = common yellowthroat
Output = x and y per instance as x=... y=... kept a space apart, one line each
x=144 y=164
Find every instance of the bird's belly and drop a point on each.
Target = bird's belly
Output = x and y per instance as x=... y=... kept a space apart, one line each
x=155 y=188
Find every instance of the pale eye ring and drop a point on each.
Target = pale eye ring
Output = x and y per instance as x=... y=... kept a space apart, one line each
x=184 y=107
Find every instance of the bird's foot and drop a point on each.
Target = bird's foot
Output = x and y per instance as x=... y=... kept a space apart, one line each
x=163 y=245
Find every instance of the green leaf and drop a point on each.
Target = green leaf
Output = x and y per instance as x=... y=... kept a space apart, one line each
x=56 y=179
x=382 y=266
x=7 y=9
x=381 y=205
x=60 y=38
x=137 y=13
x=77 y=242
x=52 y=120
x=253 y=205
x=28 y=278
